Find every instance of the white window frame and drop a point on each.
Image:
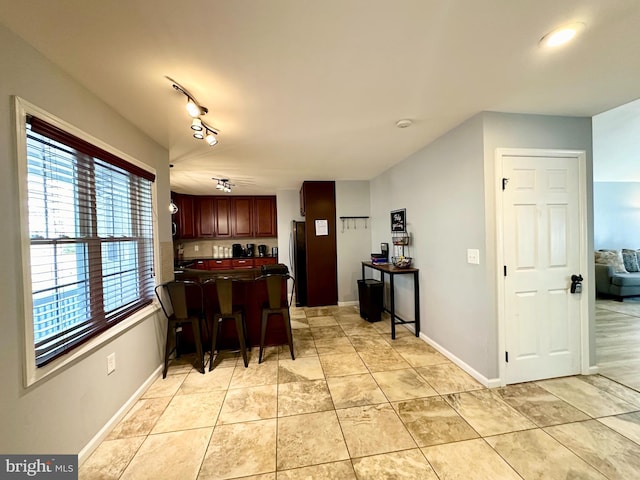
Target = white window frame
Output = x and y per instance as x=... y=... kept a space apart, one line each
x=33 y=374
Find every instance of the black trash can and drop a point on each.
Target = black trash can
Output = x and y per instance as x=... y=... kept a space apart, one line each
x=370 y=293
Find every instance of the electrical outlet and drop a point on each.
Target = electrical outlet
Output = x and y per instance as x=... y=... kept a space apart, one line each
x=196 y=248
x=111 y=363
x=473 y=256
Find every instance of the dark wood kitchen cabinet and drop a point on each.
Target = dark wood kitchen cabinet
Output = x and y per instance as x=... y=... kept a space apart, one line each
x=223 y=217
x=205 y=217
x=241 y=217
x=185 y=217
x=265 y=222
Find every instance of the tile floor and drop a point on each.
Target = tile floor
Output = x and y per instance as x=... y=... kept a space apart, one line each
x=357 y=405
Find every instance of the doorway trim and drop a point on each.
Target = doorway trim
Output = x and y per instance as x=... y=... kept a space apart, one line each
x=584 y=243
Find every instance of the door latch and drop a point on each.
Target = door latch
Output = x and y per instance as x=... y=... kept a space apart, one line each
x=576 y=283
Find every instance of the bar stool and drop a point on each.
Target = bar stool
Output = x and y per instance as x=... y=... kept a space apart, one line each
x=224 y=290
x=173 y=300
x=274 y=306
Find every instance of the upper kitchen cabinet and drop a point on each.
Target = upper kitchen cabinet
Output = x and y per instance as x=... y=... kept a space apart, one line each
x=241 y=217
x=185 y=217
x=223 y=217
x=205 y=217
x=265 y=223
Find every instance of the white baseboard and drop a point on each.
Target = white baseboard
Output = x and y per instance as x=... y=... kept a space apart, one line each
x=348 y=304
x=592 y=370
x=487 y=382
x=119 y=415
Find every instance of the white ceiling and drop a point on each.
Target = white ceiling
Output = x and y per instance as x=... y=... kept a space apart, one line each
x=311 y=90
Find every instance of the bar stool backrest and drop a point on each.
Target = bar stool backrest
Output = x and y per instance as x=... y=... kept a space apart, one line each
x=274 y=290
x=224 y=288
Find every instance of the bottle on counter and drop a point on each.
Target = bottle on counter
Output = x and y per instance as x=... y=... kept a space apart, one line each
x=216 y=252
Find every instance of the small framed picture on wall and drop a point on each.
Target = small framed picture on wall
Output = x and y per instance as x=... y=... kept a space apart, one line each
x=399 y=220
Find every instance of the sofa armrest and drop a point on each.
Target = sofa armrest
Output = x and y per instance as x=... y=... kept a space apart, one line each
x=603 y=277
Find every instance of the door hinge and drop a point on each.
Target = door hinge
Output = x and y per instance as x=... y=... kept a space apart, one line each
x=505 y=270
x=504 y=183
x=506 y=357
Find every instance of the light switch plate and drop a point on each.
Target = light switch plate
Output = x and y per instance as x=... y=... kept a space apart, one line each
x=111 y=363
x=473 y=256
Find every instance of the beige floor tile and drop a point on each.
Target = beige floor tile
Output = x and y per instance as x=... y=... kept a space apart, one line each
x=614 y=388
x=348 y=318
x=224 y=359
x=215 y=380
x=487 y=413
x=109 y=460
x=334 y=346
x=190 y=411
x=586 y=397
x=627 y=424
x=324 y=321
x=540 y=406
x=381 y=361
x=170 y=456
x=255 y=375
x=355 y=391
x=408 y=464
x=448 y=378
x=432 y=421
x=471 y=459
x=310 y=439
x=299 y=322
x=403 y=384
x=535 y=454
x=328 y=471
x=141 y=418
x=420 y=355
x=362 y=328
x=269 y=355
x=247 y=404
x=317 y=311
x=607 y=451
x=342 y=364
x=303 y=397
x=165 y=387
x=301 y=348
x=327 y=332
x=301 y=335
x=369 y=342
x=300 y=370
x=184 y=364
x=363 y=429
x=240 y=450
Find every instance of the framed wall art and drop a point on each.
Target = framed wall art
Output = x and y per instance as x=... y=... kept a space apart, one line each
x=399 y=220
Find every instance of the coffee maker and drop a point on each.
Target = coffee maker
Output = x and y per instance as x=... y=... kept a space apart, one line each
x=236 y=250
x=262 y=250
x=251 y=249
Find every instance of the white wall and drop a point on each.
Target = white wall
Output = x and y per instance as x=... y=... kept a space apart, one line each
x=448 y=189
x=353 y=237
x=288 y=207
x=62 y=413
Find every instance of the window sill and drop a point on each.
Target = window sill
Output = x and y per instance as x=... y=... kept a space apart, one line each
x=34 y=375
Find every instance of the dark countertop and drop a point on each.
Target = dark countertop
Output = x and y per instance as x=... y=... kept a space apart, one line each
x=190 y=261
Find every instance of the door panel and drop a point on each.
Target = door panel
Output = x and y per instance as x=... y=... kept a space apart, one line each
x=541 y=251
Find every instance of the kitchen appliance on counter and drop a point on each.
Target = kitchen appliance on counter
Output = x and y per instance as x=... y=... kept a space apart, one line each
x=251 y=250
x=262 y=250
x=237 y=250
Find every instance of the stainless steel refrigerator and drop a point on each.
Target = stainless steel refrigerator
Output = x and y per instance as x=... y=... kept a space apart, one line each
x=299 y=262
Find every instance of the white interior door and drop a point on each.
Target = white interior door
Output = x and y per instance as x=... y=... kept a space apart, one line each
x=542 y=243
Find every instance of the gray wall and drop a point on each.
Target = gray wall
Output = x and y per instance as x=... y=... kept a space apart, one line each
x=62 y=413
x=448 y=189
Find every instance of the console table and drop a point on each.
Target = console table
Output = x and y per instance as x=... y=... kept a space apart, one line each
x=392 y=271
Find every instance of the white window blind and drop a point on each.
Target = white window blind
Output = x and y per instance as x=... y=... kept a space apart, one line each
x=91 y=232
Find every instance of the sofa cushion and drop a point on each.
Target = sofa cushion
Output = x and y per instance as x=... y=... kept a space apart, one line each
x=628 y=280
x=611 y=257
x=630 y=259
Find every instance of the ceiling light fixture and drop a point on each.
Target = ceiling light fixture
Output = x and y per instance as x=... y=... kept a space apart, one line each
x=196 y=110
x=561 y=35
x=223 y=184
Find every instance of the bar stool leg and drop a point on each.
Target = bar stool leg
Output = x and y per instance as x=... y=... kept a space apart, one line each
x=195 y=325
x=241 y=339
x=167 y=347
x=287 y=328
x=263 y=332
x=214 y=339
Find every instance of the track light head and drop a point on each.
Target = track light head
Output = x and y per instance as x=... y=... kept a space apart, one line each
x=211 y=138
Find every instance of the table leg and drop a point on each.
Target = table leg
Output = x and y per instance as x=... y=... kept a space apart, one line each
x=416 y=294
x=392 y=310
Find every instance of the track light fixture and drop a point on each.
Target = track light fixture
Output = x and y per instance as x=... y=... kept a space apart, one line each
x=223 y=184
x=196 y=110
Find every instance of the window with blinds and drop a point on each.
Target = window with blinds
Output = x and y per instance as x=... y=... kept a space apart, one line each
x=91 y=234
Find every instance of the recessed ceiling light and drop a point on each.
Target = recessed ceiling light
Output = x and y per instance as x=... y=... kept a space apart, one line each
x=404 y=123
x=561 y=35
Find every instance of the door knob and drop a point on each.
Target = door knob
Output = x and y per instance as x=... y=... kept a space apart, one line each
x=576 y=283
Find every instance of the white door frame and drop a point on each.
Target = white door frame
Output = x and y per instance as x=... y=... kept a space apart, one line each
x=584 y=264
